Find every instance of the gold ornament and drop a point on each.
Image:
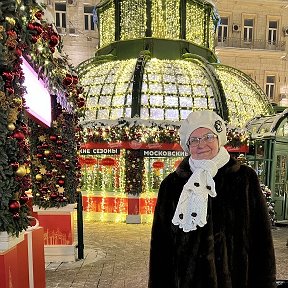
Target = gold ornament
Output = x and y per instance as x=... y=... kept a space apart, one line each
x=38 y=177
x=11 y=127
x=42 y=138
x=61 y=189
x=28 y=170
x=46 y=152
x=43 y=170
x=21 y=171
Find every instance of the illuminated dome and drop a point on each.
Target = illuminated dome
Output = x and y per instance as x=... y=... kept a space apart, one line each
x=157 y=62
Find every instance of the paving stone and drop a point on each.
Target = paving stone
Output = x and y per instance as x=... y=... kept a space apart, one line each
x=117 y=256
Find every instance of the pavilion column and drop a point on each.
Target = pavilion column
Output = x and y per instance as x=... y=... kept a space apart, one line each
x=134 y=164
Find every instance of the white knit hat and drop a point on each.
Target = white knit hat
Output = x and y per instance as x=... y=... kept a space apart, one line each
x=206 y=119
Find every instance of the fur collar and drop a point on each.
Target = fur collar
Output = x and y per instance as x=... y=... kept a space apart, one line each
x=183 y=170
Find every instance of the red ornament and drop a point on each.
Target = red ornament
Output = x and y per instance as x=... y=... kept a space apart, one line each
x=39 y=30
x=59 y=142
x=39 y=155
x=58 y=156
x=61 y=182
x=67 y=81
x=8 y=76
x=54 y=39
x=158 y=165
x=108 y=162
x=39 y=15
x=54 y=195
x=81 y=102
x=30 y=26
x=53 y=137
x=14 y=206
x=18 y=135
x=23 y=199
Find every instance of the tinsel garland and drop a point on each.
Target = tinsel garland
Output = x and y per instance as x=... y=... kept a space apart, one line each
x=147 y=131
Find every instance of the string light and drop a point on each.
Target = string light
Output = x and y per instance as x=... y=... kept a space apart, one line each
x=244 y=100
x=165 y=19
x=133 y=19
x=195 y=23
x=107 y=25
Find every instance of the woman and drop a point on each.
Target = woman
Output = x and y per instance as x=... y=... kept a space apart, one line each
x=211 y=227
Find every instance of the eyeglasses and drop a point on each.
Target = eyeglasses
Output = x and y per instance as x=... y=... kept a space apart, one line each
x=207 y=138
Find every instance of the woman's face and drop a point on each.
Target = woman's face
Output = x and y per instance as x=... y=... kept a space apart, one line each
x=205 y=149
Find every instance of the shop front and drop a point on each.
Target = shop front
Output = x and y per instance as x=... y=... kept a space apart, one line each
x=110 y=173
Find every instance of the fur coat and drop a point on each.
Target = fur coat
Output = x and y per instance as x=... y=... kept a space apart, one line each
x=233 y=250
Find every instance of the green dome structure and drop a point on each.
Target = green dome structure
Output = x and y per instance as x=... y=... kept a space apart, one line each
x=156 y=61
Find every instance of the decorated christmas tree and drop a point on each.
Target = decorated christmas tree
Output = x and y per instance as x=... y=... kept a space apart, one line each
x=25 y=31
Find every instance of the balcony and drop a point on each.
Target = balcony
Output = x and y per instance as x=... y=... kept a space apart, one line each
x=254 y=44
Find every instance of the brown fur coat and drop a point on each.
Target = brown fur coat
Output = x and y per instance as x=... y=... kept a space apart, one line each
x=233 y=250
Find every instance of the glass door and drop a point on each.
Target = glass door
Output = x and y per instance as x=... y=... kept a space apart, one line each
x=280 y=186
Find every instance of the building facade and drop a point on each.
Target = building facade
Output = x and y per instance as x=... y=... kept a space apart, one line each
x=76 y=22
x=252 y=37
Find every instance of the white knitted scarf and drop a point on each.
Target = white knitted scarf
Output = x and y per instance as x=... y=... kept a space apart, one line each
x=191 y=210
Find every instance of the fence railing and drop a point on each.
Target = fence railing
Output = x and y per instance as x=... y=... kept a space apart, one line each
x=254 y=44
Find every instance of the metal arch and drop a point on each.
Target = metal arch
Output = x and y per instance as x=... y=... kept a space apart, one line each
x=278 y=120
x=249 y=82
x=221 y=104
x=137 y=84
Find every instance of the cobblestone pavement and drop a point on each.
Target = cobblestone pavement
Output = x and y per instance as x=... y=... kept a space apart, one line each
x=116 y=256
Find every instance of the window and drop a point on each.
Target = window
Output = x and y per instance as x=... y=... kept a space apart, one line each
x=248 y=30
x=223 y=30
x=60 y=11
x=88 y=18
x=272 y=32
x=270 y=87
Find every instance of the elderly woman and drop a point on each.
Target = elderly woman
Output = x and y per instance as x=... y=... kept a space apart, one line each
x=211 y=227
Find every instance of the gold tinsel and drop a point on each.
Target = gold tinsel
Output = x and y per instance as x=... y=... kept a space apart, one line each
x=12 y=115
x=3 y=100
